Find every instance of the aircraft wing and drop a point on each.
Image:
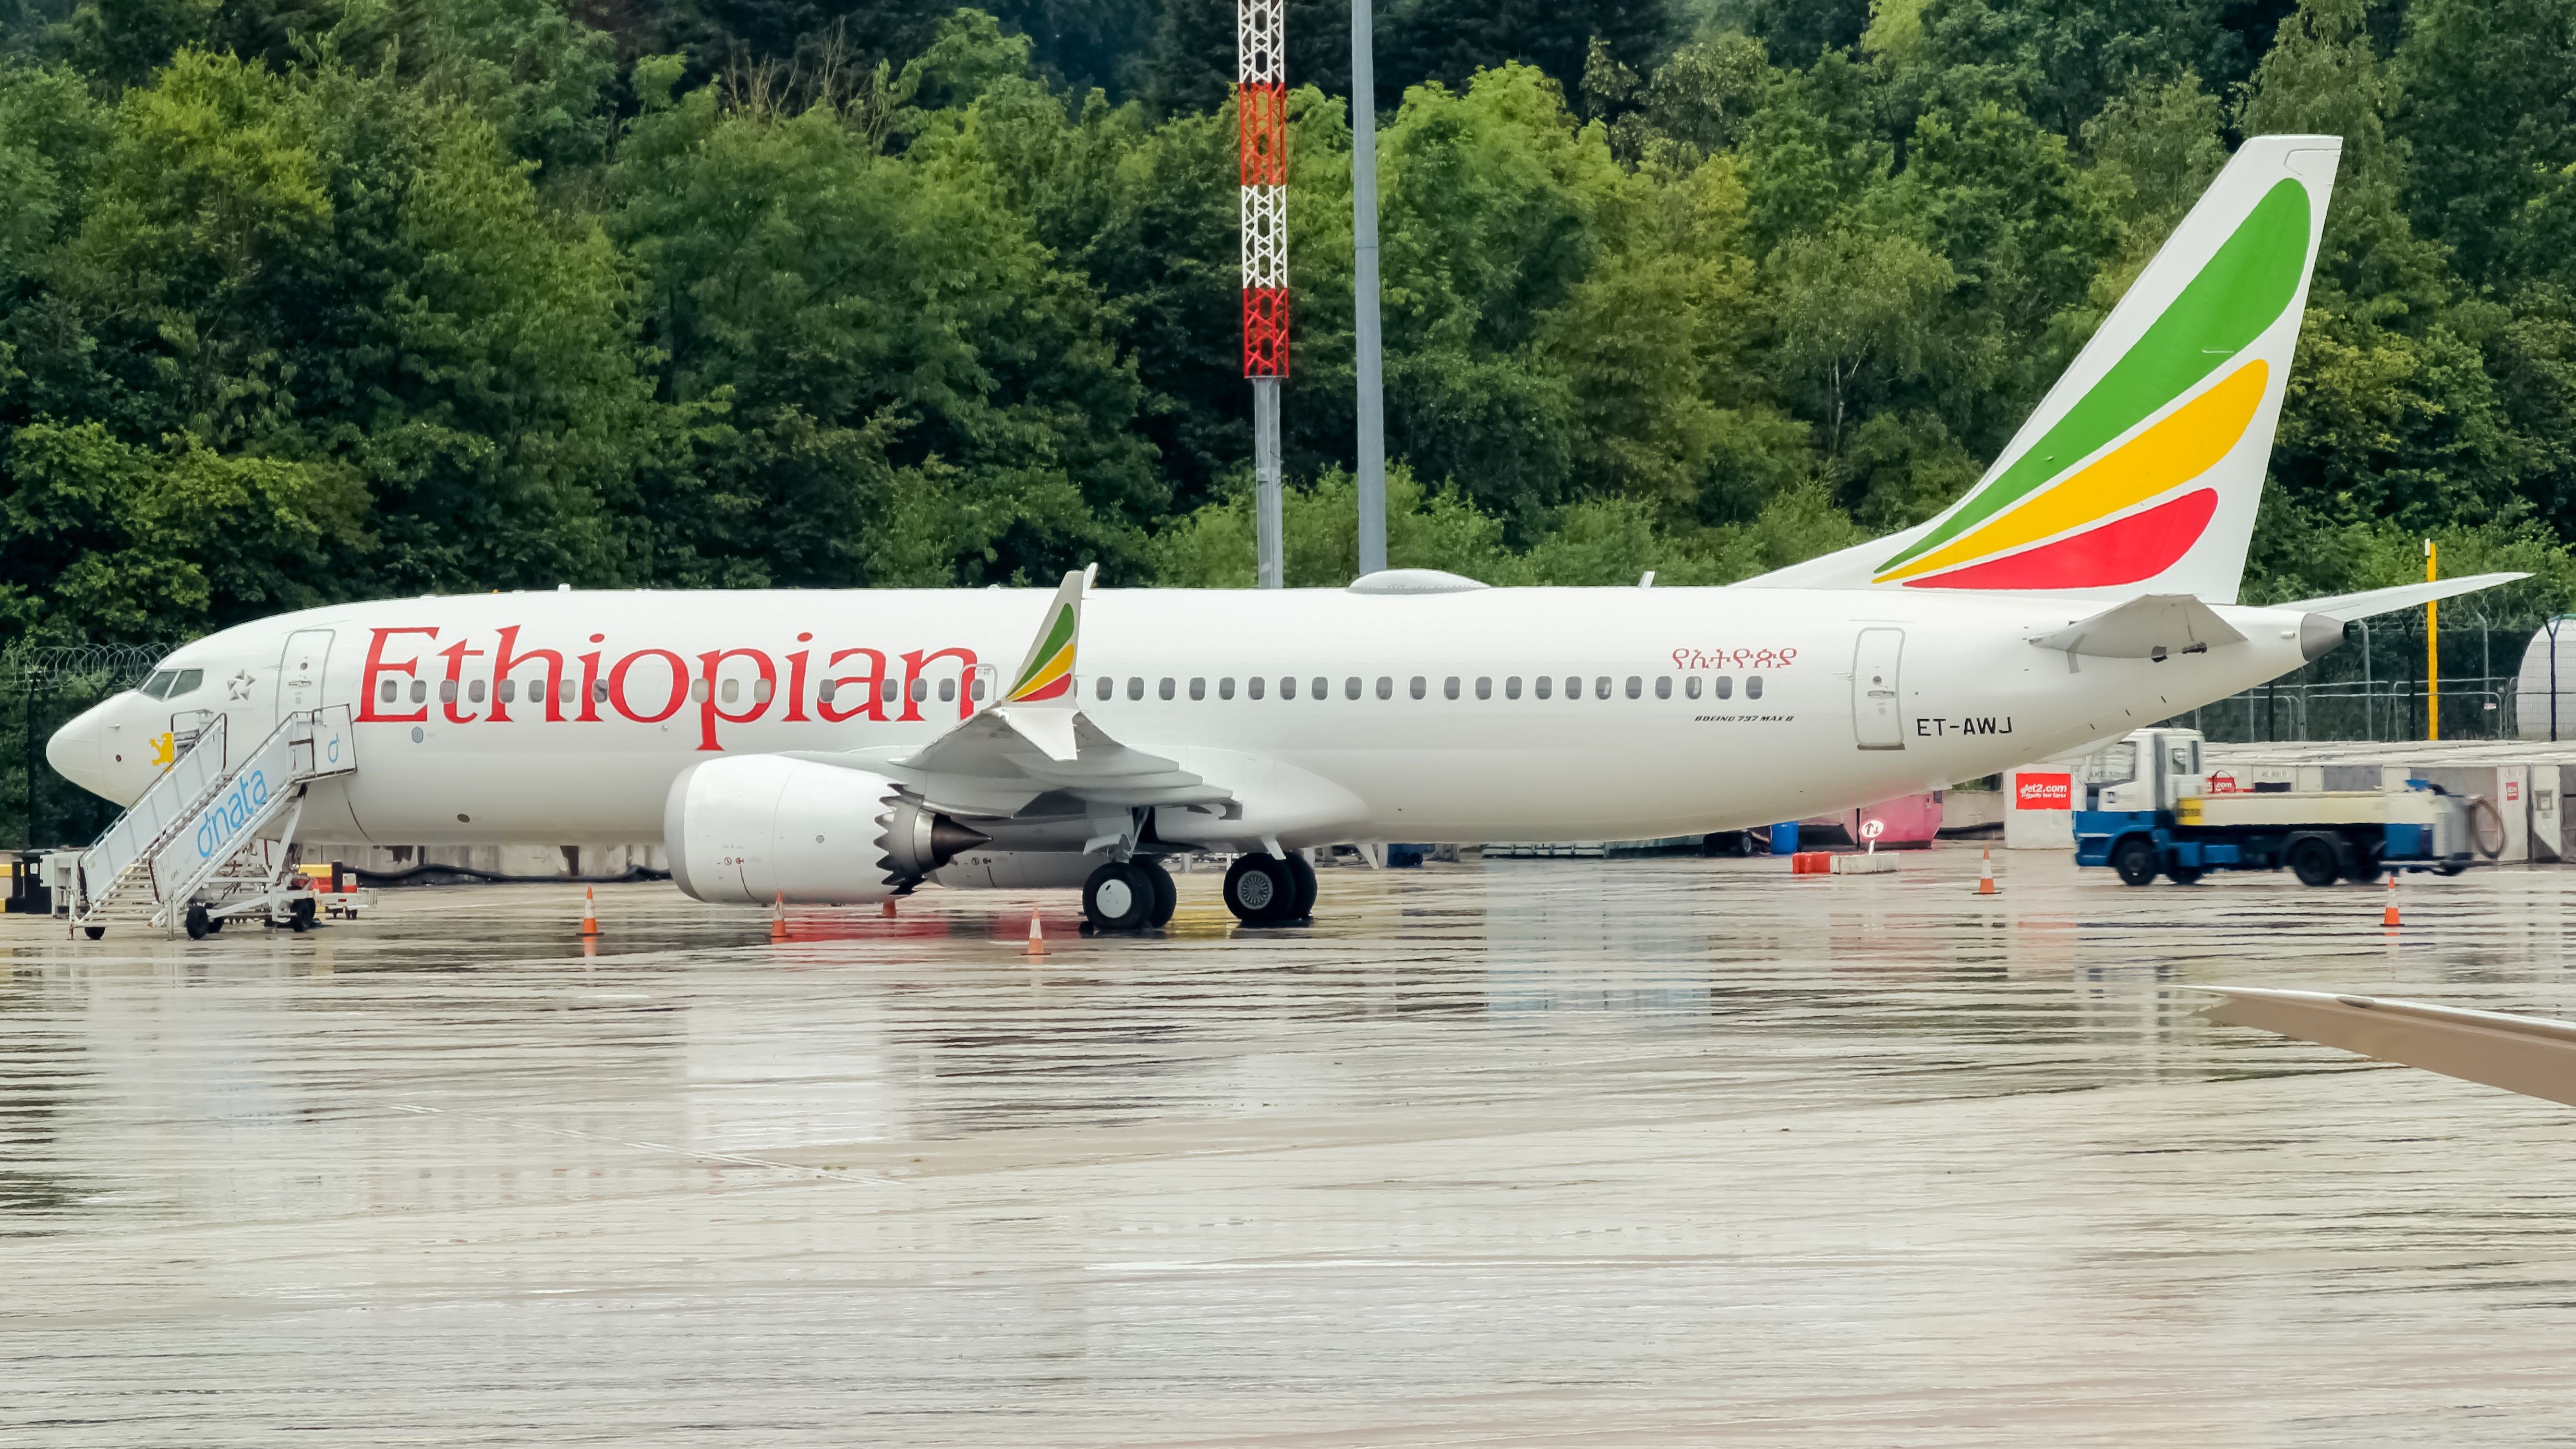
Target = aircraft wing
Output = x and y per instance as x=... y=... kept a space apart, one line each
x=2368 y=602
x=2528 y=1054
x=2150 y=626
x=1034 y=742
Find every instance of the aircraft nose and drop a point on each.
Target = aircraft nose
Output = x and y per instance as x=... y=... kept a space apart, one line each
x=78 y=751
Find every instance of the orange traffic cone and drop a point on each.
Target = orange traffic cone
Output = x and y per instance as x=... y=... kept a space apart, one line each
x=1986 y=876
x=1037 y=937
x=2388 y=917
x=589 y=912
x=778 y=919
x=888 y=909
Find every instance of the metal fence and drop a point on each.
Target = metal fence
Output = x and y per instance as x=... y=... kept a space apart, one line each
x=2373 y=687
x=41 y=688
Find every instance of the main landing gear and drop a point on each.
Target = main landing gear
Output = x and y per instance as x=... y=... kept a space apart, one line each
x=1263 y=890
x=1129 y=895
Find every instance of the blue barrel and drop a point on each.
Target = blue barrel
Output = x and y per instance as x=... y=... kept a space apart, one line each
x=1784 y=838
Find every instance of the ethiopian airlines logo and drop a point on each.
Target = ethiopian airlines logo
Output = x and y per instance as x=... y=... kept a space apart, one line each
x=1049 y=670
x=2065 y=513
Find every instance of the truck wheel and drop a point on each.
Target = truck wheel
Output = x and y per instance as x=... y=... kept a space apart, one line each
x=2185 y=875
x=2313 y=861
x=2135 y=860
x=2366 y=868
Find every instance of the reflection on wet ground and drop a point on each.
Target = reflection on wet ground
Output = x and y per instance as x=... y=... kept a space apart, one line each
x=1652 y=1151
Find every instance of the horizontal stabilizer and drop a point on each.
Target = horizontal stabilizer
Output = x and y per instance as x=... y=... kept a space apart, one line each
x=2528 y=1054
x=2148 y=627
x=2348 y=607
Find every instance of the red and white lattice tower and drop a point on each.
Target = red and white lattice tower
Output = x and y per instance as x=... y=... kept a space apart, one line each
x=1261 y=105
x=1261 y=102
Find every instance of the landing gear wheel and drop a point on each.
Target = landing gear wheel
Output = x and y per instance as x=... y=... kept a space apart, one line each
x=94 y=932
x=1118 y=897
x=1260 y=889
x=1167 y=897
x=199 y=923
x=2313 y=861
x=1304 y=870
x=2135 y=860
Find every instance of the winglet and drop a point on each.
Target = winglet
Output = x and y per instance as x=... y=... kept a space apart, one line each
x=1048 y=671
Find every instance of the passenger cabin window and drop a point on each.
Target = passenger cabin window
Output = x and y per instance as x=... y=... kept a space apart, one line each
x=447 y=691
x=1484 y=686
x=1690 y=686
x=1636 y=687
x=761 y=690
x=1351 y=687
x=474 y=691
x=1725 y=686
x=1574 y=686
x=974 y=691
x=947 y=691
x=1198 y=689
x=1385 y=687
x=1449 y=687
x=1753 y=686
x=1135 y=686
x=1107 y=687
x=1165 y=689
x=1601 y=687
x=732 y=690
x=1546 y=686
x=1663 y=686
x=508 y=690
x=565 y=691
x=1288 y=686
x=1253 y=685
x=1324 y=687
x=385 y=695
x=920 y=690
x=697 y=691
x=420 y=691
x=1225 y=687
x=1512 y=687
x=828 y=689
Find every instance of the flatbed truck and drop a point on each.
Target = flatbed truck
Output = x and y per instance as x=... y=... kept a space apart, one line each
x=2147 y=812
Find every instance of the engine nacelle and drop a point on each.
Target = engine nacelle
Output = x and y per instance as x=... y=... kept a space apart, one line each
x=747 y=829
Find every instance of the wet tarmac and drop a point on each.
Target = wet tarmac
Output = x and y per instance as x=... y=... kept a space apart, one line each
x=1531 y=1152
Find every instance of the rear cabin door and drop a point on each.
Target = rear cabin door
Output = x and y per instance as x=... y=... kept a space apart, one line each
x=1875 y=725
x=299 y=670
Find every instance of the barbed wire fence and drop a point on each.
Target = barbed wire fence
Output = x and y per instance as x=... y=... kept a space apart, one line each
x=2373 y=687
x=42 y=686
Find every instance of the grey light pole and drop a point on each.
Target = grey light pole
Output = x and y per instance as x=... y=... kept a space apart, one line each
x=1271 y=567
x=1372 y=405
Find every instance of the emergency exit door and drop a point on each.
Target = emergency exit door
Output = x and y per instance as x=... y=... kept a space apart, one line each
x=299 y=670
x=1875 y=705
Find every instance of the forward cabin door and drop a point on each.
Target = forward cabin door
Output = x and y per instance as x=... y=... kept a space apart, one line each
x=299 y=670
x=1875 y=724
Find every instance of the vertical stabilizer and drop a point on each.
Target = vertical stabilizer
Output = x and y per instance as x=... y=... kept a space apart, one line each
x=2141 y=470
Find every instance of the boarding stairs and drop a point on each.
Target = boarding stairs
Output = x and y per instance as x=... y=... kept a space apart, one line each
x=211 y=836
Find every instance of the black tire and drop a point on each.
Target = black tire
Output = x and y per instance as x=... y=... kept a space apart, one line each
x=2312 y=860
x=2135 y=860
x=1259 y=889
x=199 y=923
x=1304 y=872
x=2184 y=875
x=94 y=932
x=2449 y=867
x=1118 y=897
x=1167 y=897
x=2365 y=868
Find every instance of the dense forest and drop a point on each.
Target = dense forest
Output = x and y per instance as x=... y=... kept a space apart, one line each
x=304 y=300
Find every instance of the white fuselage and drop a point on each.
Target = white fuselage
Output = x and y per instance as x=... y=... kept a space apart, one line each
x=1681 y=743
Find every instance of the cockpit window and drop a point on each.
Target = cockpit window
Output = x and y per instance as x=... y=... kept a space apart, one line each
x=186 y=683
x=158 y=686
